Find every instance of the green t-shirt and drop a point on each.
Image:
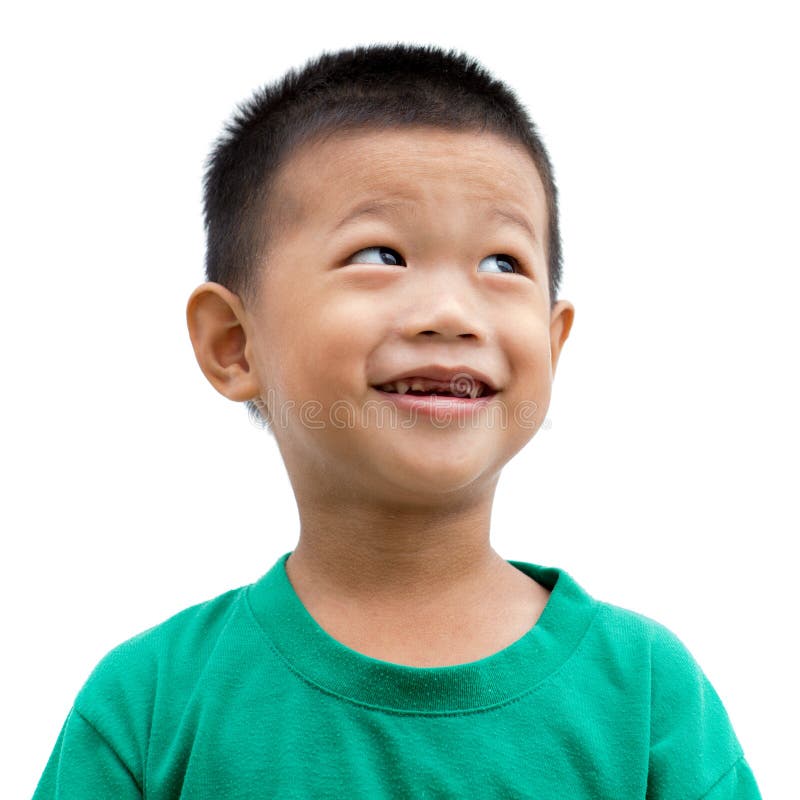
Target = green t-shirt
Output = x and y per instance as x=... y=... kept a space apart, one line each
x=245 y=696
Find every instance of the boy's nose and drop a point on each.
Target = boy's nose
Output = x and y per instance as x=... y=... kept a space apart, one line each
x=448 y=316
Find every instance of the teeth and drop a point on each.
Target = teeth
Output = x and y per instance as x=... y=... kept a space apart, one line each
x=402 y=387
x=477 y=388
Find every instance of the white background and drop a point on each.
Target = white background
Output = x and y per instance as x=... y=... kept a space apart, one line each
x=665 y=480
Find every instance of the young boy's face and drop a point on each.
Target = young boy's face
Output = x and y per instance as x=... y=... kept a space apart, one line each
x=393 y=260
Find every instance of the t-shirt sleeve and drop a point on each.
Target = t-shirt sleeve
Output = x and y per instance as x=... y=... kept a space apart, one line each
x=737 y=783
x=694 y=752
x=84 y=766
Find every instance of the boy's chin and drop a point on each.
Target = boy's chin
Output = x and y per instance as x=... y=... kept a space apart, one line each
x=426 y=471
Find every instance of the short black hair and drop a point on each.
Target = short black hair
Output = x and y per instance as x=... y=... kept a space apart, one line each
x=365 y=87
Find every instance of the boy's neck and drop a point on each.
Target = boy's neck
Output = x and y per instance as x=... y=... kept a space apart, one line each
x=412 y=555
x=412 y=588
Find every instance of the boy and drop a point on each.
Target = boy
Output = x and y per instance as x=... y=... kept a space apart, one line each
x=383 y=266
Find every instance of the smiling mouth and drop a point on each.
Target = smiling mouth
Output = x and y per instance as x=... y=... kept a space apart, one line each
x=481 y=390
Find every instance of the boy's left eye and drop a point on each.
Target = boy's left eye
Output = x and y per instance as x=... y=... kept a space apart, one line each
x=505 y=262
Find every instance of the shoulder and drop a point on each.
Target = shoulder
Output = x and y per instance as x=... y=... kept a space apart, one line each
x=167 y=657
x=147 y=678
x=193 y=628
x=692 y=742
x=615 y=634
x=672 y=666
x=673 y=673
x=630 y=629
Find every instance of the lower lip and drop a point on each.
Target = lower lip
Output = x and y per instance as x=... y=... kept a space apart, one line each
x=435 y=405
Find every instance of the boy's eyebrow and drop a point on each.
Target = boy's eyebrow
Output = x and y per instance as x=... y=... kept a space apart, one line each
x=376 y=208
x=514 y=217
x=385 y=208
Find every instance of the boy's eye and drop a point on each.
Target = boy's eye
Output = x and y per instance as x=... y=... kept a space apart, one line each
x=378 y=255
x=505 y=263
x=386 y=255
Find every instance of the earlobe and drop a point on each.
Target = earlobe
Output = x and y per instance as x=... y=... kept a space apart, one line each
x=561 y=317
x=215 y=317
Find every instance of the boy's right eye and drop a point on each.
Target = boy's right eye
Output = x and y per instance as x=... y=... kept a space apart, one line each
x=377 y=255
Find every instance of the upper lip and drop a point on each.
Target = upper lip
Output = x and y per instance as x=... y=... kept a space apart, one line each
x=437 y=372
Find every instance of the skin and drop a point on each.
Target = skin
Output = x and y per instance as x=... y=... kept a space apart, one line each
x=394 y=556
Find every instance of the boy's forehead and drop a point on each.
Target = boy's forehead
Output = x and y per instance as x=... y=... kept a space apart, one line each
x=335 y=175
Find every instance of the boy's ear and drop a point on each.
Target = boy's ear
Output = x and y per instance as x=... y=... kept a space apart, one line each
x=215 y=317
x=561 y=316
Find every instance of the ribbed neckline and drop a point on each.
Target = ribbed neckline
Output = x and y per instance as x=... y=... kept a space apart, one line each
x=332 y=666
